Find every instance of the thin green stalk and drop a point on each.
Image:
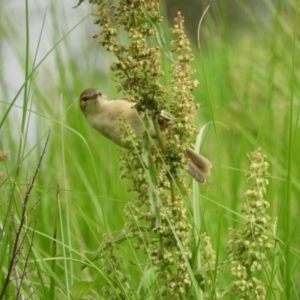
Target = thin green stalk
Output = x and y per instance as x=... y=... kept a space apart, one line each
x=70 y=273
x=288 y=253
x=220 y=215
x=25 y=96
x=64 y=246
x=163 y=148
x=54 y=247
x=158 y=134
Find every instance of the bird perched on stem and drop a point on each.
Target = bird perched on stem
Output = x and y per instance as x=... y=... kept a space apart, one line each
x=104 y=116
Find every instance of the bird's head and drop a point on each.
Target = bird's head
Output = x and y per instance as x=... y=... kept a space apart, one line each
x=90 y=99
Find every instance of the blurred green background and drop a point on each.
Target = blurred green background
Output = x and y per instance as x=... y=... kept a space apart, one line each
x=248 y=68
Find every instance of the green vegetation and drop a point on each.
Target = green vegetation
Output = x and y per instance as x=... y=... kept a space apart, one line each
x=61 y=192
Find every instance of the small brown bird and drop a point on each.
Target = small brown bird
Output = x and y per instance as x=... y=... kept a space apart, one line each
x=104 y=116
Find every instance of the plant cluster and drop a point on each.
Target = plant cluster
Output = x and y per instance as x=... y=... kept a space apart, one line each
x=139 y=74
x=248 y=248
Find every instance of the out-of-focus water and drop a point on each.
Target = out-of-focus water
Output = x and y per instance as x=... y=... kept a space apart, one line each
x=61 y=17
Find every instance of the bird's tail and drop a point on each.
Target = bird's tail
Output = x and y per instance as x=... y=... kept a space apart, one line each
x=198 y=165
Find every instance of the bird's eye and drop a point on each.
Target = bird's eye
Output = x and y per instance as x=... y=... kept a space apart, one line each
x=84 y=98
x=99 y=94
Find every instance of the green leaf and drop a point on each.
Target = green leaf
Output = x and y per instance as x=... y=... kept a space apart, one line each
x=81 y=289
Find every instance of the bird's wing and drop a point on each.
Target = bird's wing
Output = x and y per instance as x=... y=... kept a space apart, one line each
x=131 y=100
x=164 y=118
